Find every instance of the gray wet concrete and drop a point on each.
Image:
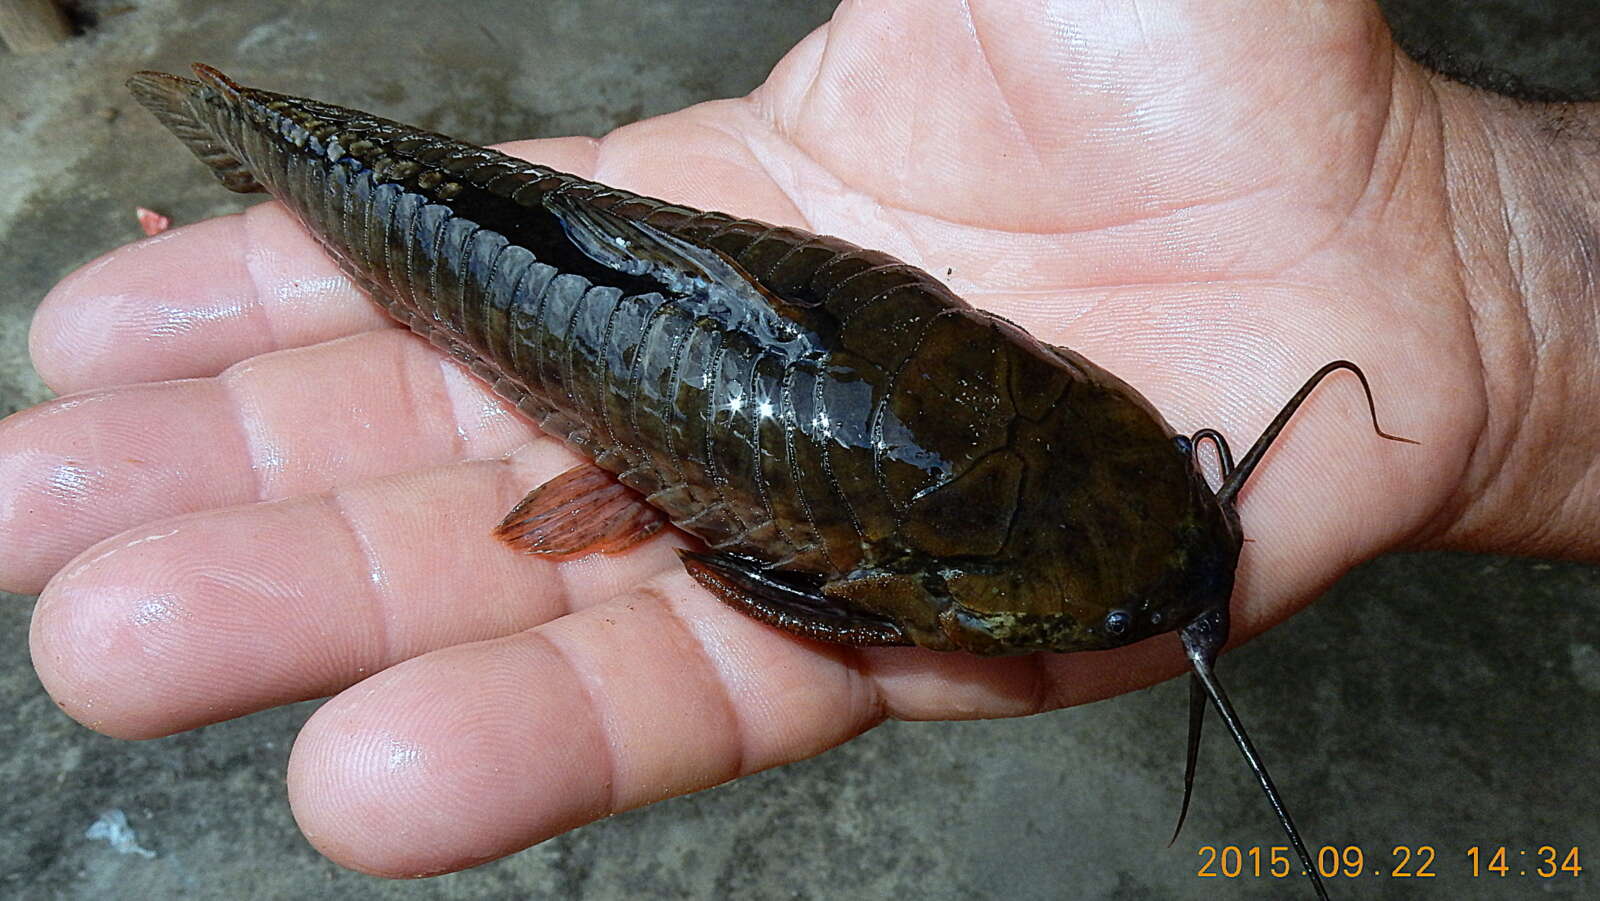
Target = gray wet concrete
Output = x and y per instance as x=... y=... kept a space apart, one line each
x=1440 y=700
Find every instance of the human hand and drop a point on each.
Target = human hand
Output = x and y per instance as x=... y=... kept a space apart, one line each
x=1165 y=195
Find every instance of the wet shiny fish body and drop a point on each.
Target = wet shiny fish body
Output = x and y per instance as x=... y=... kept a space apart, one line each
x=869 y=459
x=834 y=416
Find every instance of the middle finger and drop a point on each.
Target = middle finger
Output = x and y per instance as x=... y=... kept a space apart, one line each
x=87 y=466
x=200 y=618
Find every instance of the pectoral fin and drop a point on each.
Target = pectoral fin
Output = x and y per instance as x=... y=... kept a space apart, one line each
x=784 y=601
x=584 y=510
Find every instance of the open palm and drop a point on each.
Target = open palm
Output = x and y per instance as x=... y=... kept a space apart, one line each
x=258 y=490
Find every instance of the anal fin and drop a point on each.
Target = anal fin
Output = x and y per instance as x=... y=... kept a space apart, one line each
x=746 y=586
x=584 y=510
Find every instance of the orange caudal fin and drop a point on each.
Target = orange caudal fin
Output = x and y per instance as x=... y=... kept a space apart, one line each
x=585 y=510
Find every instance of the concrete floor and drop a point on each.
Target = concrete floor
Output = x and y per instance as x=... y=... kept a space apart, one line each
x=1444 y=700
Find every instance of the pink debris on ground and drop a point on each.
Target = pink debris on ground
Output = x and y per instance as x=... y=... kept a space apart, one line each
x=151 y=221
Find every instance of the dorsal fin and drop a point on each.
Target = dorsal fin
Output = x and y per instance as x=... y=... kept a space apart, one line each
x=224 y=85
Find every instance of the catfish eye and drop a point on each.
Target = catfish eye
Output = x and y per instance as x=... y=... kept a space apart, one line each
x=1116 y=624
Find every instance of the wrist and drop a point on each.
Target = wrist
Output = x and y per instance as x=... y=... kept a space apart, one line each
x=1522 y=182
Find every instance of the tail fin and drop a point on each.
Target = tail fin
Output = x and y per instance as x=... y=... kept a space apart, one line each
x=178 y=103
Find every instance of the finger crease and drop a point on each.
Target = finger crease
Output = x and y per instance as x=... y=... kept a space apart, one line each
x=599 y=710
x=379 y=597
x=259 y=454
x=563 y=589
x=730 y=707
x=259 y=282
x=877 y=704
